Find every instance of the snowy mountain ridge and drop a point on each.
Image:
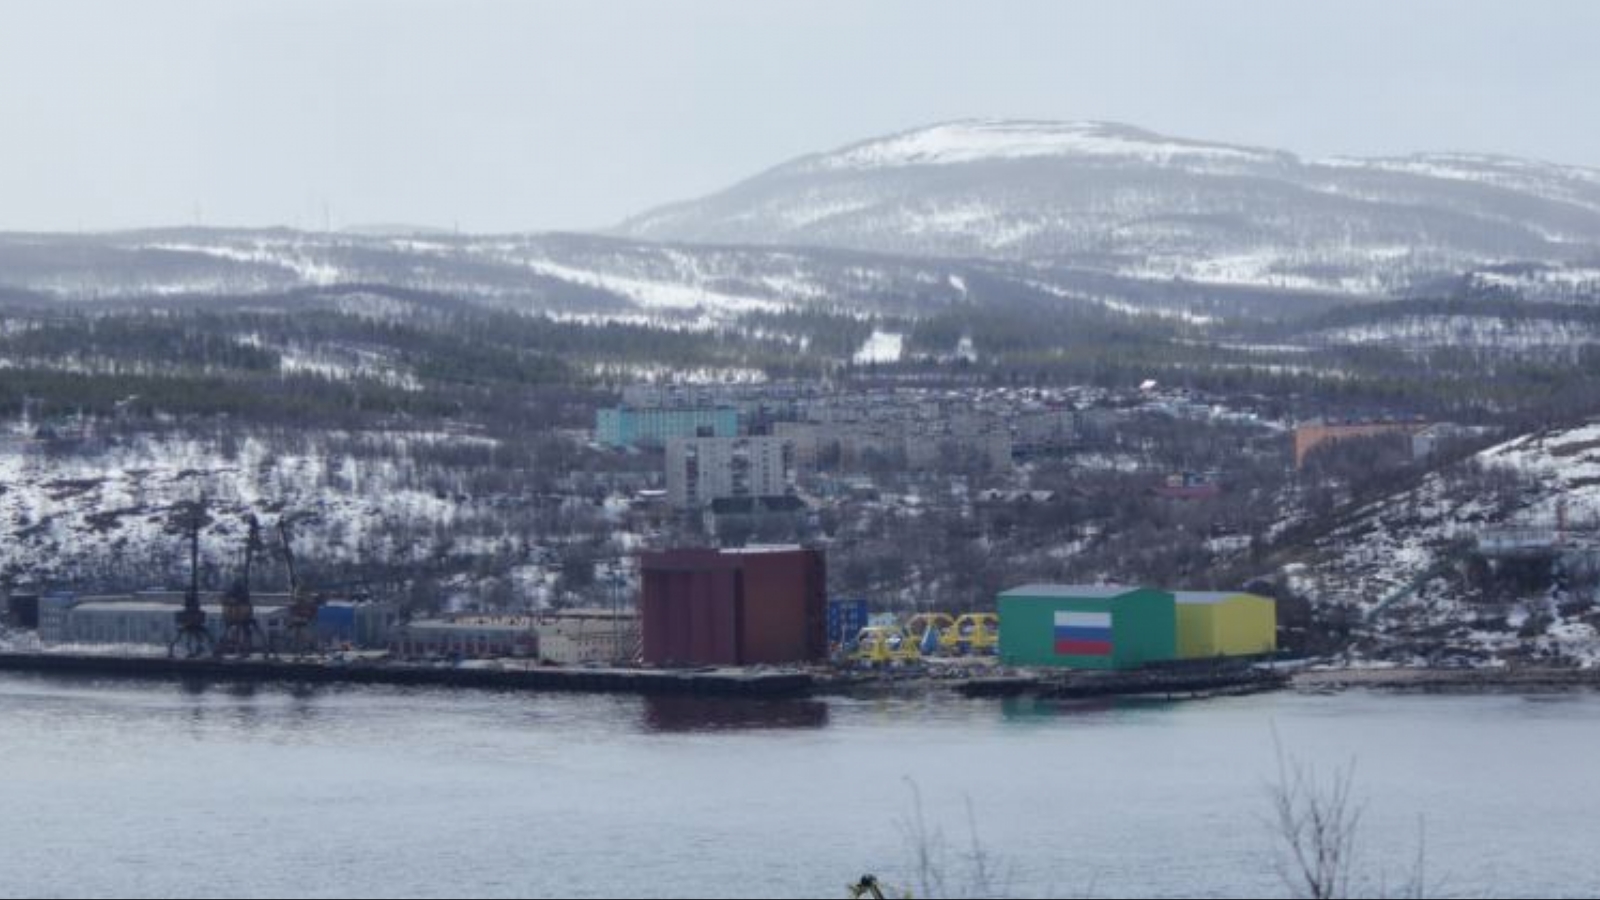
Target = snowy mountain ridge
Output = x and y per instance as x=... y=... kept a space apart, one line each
x=977 y=140
x=1124 y=200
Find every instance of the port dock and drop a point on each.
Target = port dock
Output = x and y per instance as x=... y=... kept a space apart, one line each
x=711 y=682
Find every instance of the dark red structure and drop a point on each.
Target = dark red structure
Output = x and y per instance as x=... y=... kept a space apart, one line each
x=733 y=607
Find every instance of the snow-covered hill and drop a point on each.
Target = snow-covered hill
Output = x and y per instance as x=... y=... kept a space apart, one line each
x=599 y=279
x=1137 y=203
x=564 y=275
x=1408 y=562
x=99 y=515
x=1500 y=335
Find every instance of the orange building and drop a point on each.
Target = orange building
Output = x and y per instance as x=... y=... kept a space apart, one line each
x=1309 y=436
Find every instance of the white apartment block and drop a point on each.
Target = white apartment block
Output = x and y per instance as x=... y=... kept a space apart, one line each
x=701 y=470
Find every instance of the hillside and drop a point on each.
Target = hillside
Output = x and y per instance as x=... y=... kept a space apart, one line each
x=1138 y=204
x=1496 y=554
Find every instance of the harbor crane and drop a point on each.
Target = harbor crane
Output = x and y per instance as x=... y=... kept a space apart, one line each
x=303 y=604
x=242 y=634
x=192 y=632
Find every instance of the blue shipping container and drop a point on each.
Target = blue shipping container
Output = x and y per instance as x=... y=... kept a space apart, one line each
x=336 y=623
x=846 y=618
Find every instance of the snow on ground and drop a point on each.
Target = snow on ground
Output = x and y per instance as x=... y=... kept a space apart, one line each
x=304 y=262
x=1548 y=282
x=651 y=373
x=1109 y=462
x=342 y=362
x=1567 y=182
x=1485 y=332
x=94 y=514
x=881 y=347
x=991 y=140
x=1352 y=272
x=1122 y=306
x=1398 y=551
x=817 y=207
x=656 y=294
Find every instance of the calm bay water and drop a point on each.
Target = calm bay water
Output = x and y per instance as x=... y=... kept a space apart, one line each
x=113 y=789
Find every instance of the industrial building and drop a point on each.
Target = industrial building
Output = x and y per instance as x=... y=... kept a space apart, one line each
x=764 y=605
x=1190 y=486
x=147 y=617
x=1087 y=626
x=626 y=426
x=150 y=622
x=1222 y=624
x=1308 y=436
x=701 y=471
x=22 y=611
x=568 y=638
x=574 y=637
x=356 y=624
x=53 y=611
x=142 y=617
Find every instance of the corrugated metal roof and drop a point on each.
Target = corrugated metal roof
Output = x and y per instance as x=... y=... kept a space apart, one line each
x=126 y=607
x=168 y=608
x=1203 y=598
x=1075 y=591
x=1211 y=598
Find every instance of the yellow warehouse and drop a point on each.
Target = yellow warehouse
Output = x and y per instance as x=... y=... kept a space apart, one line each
x=1225 y=624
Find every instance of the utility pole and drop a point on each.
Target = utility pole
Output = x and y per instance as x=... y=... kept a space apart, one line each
x=616 y=615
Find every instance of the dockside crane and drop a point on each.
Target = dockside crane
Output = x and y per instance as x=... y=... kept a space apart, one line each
x=192 y=633
x=303 y=604
x=242 y=634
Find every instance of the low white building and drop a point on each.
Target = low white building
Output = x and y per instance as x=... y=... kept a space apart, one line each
x=578 y=636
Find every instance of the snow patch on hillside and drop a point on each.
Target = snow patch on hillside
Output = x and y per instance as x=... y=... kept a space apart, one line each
x=999 y=140
x=93 y=515
x=302 y=261
x=1495 y=333
x=1398 y=555
x=881 y=347
x=657 y=294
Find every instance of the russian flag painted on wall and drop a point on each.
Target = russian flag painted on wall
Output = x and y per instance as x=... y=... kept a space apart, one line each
x=1083 y=634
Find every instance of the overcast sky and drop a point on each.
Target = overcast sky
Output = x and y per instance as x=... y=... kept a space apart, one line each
x=503 y=116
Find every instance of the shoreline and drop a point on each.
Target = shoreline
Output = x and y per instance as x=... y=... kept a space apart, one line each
x=762 y=683
x=1404 y=679
x=733 y=683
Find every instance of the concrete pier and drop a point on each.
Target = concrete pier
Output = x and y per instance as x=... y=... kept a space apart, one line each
x=511 y=676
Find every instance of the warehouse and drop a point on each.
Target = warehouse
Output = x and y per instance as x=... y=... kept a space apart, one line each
x=363 y=624
x=576 y=637
x=151 y=622
x=22 y=611
x=763 y=605
x=1225 y=624
x=1086 y=626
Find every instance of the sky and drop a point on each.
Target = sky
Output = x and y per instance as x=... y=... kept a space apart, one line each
x=521 y=115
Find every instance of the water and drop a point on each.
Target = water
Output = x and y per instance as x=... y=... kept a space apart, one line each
x=161 y=790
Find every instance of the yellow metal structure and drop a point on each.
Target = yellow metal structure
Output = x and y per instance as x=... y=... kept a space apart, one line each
x=976 y=633
x=884 y=645
x=944 y=625
x=1225 y=624
x=921 y=622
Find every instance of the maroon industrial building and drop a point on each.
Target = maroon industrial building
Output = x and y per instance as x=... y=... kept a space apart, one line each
x=733 y=607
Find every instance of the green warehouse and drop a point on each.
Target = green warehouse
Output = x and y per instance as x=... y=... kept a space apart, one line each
x=1087 y=626
x=1225 y=624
